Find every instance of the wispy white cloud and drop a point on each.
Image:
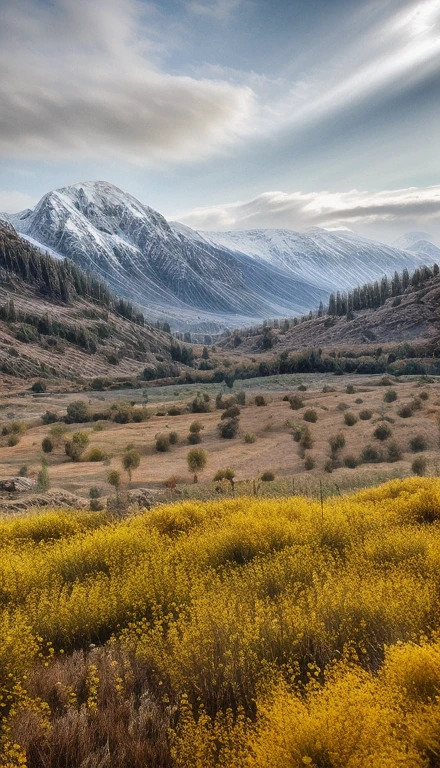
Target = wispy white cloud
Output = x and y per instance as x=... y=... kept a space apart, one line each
x=216 y=9
x=82 y=77
x=299 y=210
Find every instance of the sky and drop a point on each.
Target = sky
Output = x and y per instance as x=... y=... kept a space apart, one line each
x=228 y=114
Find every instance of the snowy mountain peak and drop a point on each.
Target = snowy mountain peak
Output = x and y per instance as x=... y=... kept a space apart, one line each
x=235 y=278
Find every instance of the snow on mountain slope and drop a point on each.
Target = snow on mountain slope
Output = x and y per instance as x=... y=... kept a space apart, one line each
x=199 y=279
x=333 y=260
x=421 y=244
x=166 y=272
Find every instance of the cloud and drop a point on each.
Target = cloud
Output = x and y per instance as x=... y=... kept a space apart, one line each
x=80 y=76
x=216 y=9
x=299 y=210
x=10 y=202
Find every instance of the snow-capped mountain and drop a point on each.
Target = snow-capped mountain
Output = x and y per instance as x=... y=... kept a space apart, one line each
x=333 y=260
x=198 y=279
x=168 y=273
x=419 y=243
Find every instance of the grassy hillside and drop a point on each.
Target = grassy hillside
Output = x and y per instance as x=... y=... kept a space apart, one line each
x=58 y=321
x=247 y=632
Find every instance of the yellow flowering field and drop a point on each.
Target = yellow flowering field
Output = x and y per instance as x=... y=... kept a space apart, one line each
x=246 y=633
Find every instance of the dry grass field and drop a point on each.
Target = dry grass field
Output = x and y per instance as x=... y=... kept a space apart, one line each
x=273 y=425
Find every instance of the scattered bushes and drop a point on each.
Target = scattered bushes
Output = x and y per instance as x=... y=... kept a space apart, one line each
x=418 y=443
x=13 y=440
x=260 y=400
x=241 y=397
x=47 y=445
x=39 y=386
x=174 y=411
x=233 y=412
x=75 y=447
x=228 y=429
x=336 y=443
x=309 y=463
x=382 y=431
x=351 y=461
x=49 y=417
x=365 y=414
x=130 y=461
x=350 y=390
x=419 y=465
x=350 y=419
x=267 y=476
x=342 y=406
x=96 y=454
x=200 y=404
x=163 y=444
x=394 y=452
x=249 y=438
x=174 y=438
x=405 y=411
x=371 y=455
x=196 y=460
x=390 y=396
x=77 y=412
x=296 y=402
x=423 y=395
x=194 y=438
x=225 y=474
x=310 y=415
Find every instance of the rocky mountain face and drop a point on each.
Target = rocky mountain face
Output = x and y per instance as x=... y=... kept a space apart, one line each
x=201 y=280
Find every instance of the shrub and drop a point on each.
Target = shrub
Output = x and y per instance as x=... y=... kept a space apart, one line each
x=286 y=398
x=343 y=407
x=302 y=388
x=174 y=438
x=196 y=427
x=96 y=454
x=419 y=465
x=390 y=396
x=418 y=443
x=310 y=415
x=43 y=480
x=49 y=417
x=329 y=466
x=241 y=397
x=200 y=404
x=336 y=442
x=94 y=493
x=130 y=461
x=370 y=455
x=416 y=404
x=228 y=429
x=174 y=411
x=225 y=474
x=351 y=462
x=231 y=413
x=267 y=476
x=47 y=445
x=196 y=460
x=249 y=438
x=309 y=463
x=162 y=443
x=171 y=482
x=394 y=452
x=39 y=386
x=350 y=390
x=365 y=414
x=382 y=431
x=77 y=412
x=306 y=440
x=18 y=427
x=194 y=438
x=405 y=411
x=122 y=414
x=260 y=400
x=75 y=447
x=23 y=471
x=139 y=415
x=296 y=402
x=423 y=395
x=358 y=401
x=350 y=419
x=13 y=440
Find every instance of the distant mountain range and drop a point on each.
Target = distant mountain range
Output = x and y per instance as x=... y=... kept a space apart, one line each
x=206 y=280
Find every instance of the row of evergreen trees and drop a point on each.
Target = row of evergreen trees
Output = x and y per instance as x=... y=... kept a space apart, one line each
x=59 y=279
x=374 y=295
